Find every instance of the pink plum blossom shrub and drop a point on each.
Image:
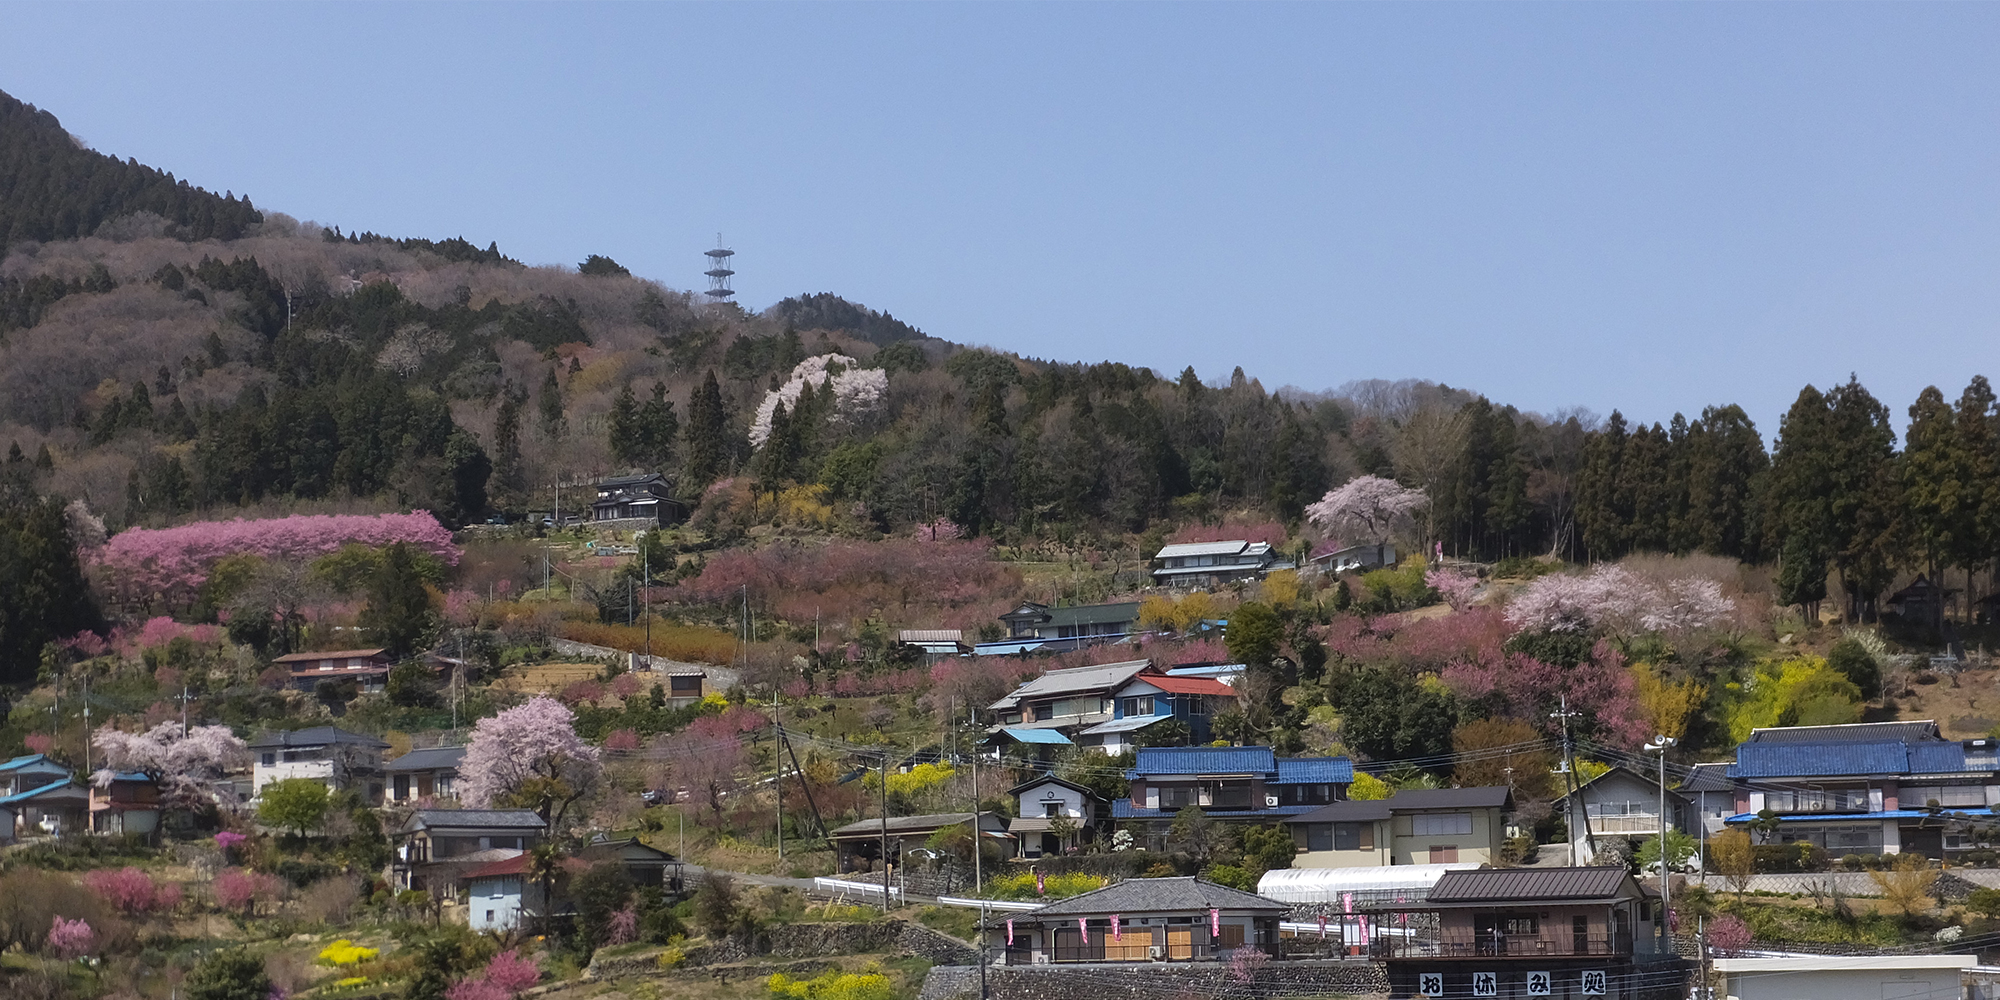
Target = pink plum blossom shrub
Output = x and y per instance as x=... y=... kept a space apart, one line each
x=128 y=890
x=623 y=739
x=71 y=938
x=1616 y=599
x=239 y=889
x=1728 y=934
x=505 y=977
x=39 y=742
x=624 y=927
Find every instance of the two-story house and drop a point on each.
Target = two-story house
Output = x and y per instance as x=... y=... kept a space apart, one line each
x=1174 y=919
x=1431 y=826
x=1074 y=627
x=649 y=496
x=336 y=757
x=1868 y=788
x=1619 y=806
x=428 y=773
x=1207 y=564
x=1528 y=932
x=1149 y=699
x=126 y=803
x=38 y=797
x=434 y=848
x=1239 y=784
x=367 y=668
x=1072 y=699
x=1046 y=804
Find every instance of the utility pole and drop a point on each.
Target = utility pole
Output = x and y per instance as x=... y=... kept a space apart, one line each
x=1576 y=806
x=886 y=906
x=1662 y=743
x=646 y=598
x=184 y=711
x=778 y=730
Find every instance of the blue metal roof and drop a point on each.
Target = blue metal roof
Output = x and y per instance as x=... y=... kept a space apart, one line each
x=24 y=796
x=1204 y=760
x=21 y=762
x=1861 y=817
x=1798 y=760
x=1007 y=648
x=1314 y=770
x=1049 y=736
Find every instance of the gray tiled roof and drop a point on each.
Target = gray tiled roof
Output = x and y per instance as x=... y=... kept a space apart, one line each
x=317 y=736
x=1500 y=885
x=1349 y=811
x=1098 y=677
x=466 y=819
x=1160 y=895
x=428 y=759
x=1859 y=732
x=1708 y=778
x=900 y=824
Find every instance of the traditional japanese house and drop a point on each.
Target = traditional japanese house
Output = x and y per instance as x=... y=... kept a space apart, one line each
x=1181 y=919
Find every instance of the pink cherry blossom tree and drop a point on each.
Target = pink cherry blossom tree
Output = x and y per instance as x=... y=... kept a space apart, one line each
x=1370 y=508
x=1455 y=587
x=140 y=566
x=1614 y=599
x=184 y=765
x=856 y=391
x=530 y=756
x=242 y=889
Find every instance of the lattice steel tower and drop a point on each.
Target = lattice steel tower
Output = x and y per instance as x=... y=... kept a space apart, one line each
x=719 y=272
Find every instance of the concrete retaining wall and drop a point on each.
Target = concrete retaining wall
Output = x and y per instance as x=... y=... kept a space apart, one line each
x=1175 y=979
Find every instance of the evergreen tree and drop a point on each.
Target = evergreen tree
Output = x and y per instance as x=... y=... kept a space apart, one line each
x=551 y=404
x=47 y=596
x=398 y=614
x=1935 y=492
x=468 y=469
x=627 y=446
x=707 y=443
x=658 y=429
x=510 y=476
x=1599 y=519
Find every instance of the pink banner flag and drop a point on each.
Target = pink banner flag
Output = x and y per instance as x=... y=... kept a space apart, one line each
x=1041 y=884
x=1322 y=927
x=1347 y=902
x=1010 y=934
x=1083 y=926
x=1214 y=922
x=1116 y=934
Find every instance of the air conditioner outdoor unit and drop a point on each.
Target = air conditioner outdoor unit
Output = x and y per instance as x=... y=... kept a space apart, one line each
x=1041 y=958
x=1156 y=953
x=1270 y=801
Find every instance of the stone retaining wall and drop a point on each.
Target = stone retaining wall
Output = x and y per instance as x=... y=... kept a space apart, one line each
x=803 y=941
x=1155 y=979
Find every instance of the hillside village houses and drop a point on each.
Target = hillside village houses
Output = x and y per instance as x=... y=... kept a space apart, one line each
x=368 y=668
x=1621 y=806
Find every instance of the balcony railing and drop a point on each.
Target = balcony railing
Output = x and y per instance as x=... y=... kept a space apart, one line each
x=1546 y=945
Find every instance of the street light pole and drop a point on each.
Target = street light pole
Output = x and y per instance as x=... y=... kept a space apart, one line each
x=1661 y=744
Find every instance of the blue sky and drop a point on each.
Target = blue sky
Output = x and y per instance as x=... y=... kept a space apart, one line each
x=1650 y=207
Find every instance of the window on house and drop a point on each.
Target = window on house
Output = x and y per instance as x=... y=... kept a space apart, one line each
x=1305 y=795
x=1051 y=809
x=1947 y=796
x=1178 y=796
x=1230 y=797
x=684 y=686
x=1445 y=855
x=1232 y=936
x=1139 y=706
x=1347 y=836
x=1313 y=836
x=270 y=759
x=1441 y=824
x=444 y=784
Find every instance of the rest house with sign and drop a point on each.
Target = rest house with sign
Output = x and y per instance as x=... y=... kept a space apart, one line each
x=1529 y=932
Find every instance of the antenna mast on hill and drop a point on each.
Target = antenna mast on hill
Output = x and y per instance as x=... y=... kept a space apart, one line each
x=719 y=272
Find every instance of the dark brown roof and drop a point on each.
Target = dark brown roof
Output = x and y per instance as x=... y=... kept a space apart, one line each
x=1411 y=800
x=330 y=654
x=1504 y=885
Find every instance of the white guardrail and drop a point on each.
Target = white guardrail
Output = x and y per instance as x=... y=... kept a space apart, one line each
x=848 y=887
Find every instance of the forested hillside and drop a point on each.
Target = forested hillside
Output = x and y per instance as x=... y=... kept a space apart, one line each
x=169 y=357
